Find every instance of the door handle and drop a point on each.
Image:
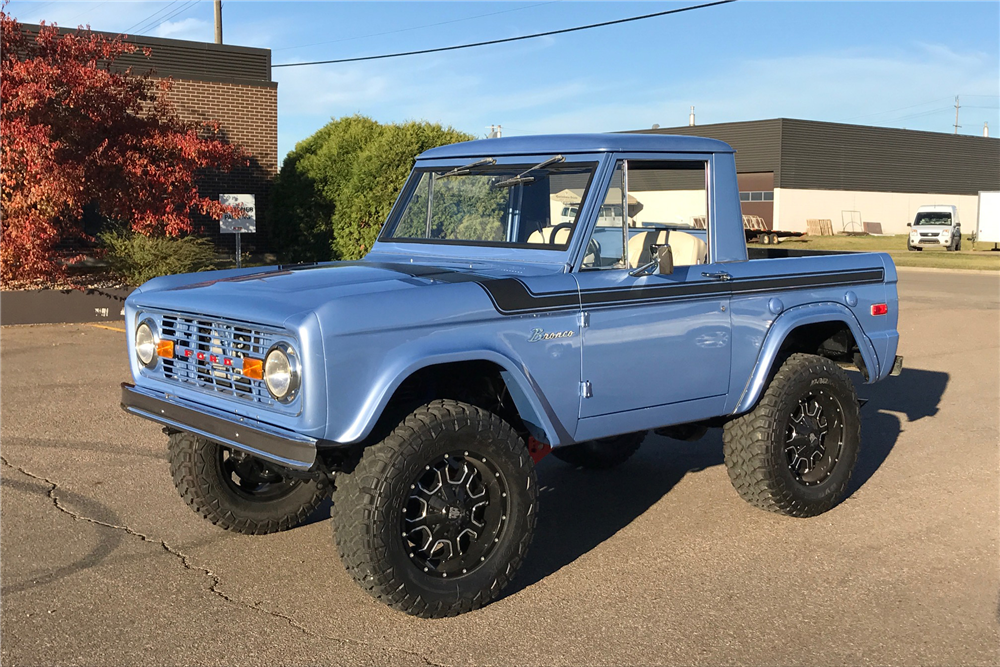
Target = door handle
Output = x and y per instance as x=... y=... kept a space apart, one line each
x=721 y=275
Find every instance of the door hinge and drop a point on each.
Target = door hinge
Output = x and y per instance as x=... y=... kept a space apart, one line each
x=586 y=391
x=584 y=320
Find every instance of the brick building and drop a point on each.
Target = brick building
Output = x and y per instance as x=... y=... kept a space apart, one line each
x=228 y=84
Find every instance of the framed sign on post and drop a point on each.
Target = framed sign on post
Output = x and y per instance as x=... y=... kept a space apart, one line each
x=245 y=224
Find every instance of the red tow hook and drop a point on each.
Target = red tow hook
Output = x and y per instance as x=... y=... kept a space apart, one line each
x=537 y=449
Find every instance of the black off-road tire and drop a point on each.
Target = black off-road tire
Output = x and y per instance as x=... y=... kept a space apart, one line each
x=755 y=443
x=197 y=467
x=601 y=454
x=372 y=504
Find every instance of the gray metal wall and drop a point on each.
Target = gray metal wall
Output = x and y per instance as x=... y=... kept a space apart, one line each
x=829 y=156
x=833 y=156
x=196 y=61
x=757 y=143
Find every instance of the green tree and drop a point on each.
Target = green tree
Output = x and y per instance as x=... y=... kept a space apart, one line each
x=336 y=188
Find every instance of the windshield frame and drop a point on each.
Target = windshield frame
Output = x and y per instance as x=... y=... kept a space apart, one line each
x=515 y=163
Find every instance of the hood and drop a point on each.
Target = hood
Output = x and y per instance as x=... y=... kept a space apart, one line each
x=273 y=294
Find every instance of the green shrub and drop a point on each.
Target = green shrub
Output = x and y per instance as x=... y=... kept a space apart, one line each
x=336 y=188
x=136 y=258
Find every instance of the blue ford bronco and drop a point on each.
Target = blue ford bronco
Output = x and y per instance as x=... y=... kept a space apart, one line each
x=528 y=294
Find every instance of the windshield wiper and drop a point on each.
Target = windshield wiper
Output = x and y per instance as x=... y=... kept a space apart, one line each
x=461 y=171
x=523 y=176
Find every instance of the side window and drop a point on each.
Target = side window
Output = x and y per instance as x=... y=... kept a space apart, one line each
x=667 y=204
x=606 y=248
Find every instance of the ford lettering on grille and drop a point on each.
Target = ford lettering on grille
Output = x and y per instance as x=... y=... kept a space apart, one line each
x=209 y=355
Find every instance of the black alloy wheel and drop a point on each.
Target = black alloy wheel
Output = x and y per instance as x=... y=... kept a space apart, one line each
x=795 y=451
x=237 y=491
x=454 y=514
x=435 y=519
x=814 y=437
x=252 y=478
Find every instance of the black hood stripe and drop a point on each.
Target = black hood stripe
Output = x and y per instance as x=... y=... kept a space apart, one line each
x=510 y=296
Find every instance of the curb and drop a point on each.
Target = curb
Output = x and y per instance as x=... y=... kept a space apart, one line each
x=70 y=306
x=928 y=269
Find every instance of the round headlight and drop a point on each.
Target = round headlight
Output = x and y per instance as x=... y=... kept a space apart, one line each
x=145 y=343
x=281 y=372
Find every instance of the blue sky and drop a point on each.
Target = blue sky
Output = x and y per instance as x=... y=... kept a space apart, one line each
x=896 y=64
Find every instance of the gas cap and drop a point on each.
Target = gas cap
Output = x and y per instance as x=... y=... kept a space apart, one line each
x=775 y=305
x=851 y=299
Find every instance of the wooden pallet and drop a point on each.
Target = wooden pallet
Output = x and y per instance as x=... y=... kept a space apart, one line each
x=819 y=227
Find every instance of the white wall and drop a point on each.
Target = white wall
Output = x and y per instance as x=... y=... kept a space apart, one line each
x=670 y=205
x=893 y=209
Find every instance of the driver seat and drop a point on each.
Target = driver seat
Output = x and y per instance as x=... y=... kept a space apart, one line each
x=687 y=249
x=544 y=236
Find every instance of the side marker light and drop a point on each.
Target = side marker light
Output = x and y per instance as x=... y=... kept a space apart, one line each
x=880 y=309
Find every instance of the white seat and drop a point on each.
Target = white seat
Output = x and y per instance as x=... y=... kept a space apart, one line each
x=687 y=249
x=543 y=236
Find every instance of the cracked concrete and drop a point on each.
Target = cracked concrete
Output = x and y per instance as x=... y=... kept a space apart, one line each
x=657 y=562
x=185 y=561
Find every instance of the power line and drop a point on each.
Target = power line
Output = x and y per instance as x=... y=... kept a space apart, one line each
x=508 y=39
x=37 y=8
x=150 y=17
x=879 y=113
x=416 y=27
x=180 y=11
x=87 y=11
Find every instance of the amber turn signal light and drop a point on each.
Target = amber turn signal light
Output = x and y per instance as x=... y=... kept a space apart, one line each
x=253 y=368
x=165 y=348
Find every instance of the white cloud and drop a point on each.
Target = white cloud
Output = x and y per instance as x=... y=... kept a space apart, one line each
x=866 y=88
x=189 y=28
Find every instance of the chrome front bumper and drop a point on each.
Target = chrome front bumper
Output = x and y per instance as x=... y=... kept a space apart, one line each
x=270 y=443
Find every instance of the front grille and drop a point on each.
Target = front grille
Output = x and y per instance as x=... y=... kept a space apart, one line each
x=215 y=341
x=929 y=234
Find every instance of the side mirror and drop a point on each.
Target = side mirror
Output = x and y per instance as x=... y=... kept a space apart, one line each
x=909 y=224
x=664 y=259
x=662 y=263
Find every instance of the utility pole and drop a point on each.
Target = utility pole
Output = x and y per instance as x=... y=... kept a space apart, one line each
x=218 y=21
x=957 y=107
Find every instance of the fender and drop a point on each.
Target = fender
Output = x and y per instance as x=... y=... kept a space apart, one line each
x=527 y=398
x=790 y=319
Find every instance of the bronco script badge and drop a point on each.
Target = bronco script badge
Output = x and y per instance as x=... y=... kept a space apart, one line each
x=538 y=334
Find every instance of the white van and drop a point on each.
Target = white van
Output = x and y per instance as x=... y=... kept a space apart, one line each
x=935 y=226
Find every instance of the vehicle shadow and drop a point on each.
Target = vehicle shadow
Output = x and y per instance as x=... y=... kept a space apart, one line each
x=580 y=509
x=915 y=393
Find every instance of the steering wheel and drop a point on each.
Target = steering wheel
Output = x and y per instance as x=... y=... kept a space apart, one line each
x=593 y=249
x=556 y=228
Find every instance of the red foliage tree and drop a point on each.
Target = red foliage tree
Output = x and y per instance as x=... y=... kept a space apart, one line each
x=77 y=131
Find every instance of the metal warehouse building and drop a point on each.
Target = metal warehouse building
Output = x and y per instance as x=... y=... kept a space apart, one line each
x=792 y=170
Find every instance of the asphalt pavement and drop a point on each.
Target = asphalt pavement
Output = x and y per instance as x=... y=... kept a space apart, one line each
x=657 y=562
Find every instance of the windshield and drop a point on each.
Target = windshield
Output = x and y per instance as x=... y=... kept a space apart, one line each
x=933 y=218
x=494 y=205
